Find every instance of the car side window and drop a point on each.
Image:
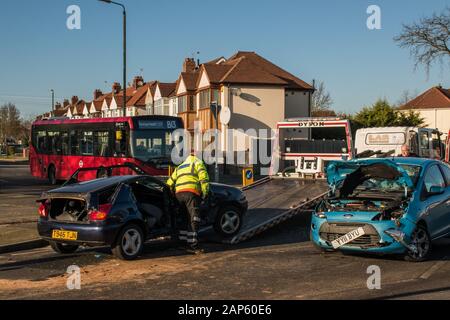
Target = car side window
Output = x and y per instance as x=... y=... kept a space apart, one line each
x=151 y=184
x=446 y=170
x=433 y=177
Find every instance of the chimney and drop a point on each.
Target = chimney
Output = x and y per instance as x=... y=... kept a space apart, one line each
x=138 y=82
x=74 y=100
x=65 y=103
x=57 y=106
x=116 y=87
x=189 y=65
x=97 y=93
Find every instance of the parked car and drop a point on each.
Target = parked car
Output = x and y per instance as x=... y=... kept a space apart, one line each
x=386 y=206
x=126 y=210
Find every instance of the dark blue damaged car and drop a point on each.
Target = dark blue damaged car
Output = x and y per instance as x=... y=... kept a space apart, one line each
x=124 y=211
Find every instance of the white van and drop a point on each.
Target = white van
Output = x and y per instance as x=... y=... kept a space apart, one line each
x=423 y=142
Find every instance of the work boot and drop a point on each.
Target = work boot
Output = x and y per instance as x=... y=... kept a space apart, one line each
x=195 y=249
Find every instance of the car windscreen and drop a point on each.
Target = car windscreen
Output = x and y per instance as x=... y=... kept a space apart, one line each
x=412 y=171
x=389 y=185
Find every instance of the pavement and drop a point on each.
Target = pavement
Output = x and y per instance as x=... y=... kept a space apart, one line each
x=18 y=210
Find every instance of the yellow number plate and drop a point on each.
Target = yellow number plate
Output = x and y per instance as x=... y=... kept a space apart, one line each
x=64 y=235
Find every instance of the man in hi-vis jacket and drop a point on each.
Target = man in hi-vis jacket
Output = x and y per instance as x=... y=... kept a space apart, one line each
x=190 y=181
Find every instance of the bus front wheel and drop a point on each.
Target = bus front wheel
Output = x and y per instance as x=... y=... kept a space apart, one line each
x=52 y=175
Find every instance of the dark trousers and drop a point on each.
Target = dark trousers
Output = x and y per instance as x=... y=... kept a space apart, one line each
x=190 y=203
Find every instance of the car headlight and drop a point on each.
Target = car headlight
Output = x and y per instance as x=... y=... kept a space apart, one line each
x=320 y=215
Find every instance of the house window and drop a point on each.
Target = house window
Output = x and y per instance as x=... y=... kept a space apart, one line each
x=182 y=104
x=192 y=103
x=205 y=98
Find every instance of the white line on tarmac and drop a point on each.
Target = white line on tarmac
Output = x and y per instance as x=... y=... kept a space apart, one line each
x=433 y=269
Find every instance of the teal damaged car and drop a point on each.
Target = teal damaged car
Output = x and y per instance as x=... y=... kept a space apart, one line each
x=384 y=206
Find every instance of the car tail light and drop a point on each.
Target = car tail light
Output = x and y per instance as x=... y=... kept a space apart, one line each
x=44 y=209
x=101 y=213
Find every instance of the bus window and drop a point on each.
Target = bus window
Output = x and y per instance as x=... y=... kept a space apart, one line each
x=101 y=144
x=65 y=143
x=87 y=143
x=41 y=141
x=74 y=143
x=424 y=144
x=120 y=144
x=54 y=143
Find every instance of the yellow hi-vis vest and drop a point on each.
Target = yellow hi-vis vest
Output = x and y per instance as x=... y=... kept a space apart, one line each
x=190 y=176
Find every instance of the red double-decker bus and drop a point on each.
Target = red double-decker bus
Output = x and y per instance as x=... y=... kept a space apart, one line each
x=61 y=146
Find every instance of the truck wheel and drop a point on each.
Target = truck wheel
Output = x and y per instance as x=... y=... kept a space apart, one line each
x=63 y=248
x=228 y=221
x=420 y=239
x=52 y=175
x=129 y=243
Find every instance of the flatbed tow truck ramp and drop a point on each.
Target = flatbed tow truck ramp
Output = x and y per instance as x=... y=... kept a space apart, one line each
x=273 y=200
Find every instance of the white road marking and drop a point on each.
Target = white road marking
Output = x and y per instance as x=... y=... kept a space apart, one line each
x=433 y=269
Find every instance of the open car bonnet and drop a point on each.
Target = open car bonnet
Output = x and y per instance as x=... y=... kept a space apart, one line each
x=347 y=175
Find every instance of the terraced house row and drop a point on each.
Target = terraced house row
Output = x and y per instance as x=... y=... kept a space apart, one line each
x=258 y=93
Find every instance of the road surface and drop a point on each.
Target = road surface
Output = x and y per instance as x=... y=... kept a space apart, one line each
x=278 y=264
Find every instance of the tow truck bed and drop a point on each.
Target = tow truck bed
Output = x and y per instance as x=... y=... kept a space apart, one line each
x=273 y=200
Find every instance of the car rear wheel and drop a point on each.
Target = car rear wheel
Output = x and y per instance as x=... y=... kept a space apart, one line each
x=420 y=240
x=130 y=243
x=228 y=221
x=63 y=248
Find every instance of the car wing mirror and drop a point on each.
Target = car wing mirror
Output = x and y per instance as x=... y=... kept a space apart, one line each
x=435 y=190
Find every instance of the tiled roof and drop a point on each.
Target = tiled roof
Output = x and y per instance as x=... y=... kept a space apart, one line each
x=97 y=105
x=166 y=89
x=293 y=81
x=61 y=112
x=138 y=98
x=246 y=71
x=436 y=97
x=190 y=79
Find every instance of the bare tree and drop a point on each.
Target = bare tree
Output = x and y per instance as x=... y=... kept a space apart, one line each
x=10 y=123
x=428 y=40
x=405 y=97
x=321 y=99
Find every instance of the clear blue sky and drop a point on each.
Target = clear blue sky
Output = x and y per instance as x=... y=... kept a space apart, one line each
x=325 y=40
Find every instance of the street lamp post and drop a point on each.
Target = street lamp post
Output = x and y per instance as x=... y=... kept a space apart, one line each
x=215 y=108
x=124 y=53
x=53 y=99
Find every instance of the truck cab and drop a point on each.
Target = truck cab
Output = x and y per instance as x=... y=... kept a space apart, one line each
x=423 y=142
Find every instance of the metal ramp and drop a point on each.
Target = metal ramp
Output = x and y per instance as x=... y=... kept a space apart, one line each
x=273 y=200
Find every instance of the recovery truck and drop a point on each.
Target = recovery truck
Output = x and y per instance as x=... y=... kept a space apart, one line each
x=303 y=146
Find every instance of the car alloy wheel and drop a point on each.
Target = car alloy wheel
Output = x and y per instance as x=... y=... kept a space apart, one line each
x=131 y=242
x=420 y=240
x=230 y=222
